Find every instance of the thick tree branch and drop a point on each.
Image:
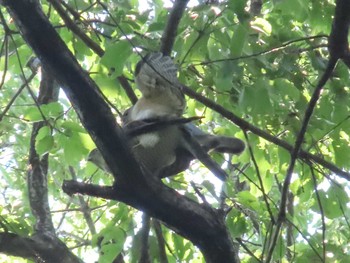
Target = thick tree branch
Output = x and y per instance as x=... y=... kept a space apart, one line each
x=14 y=245
x=48 y=250
x=37 y=172
x=46 y=242
x=189 y=218
x=170 y=32
x=204 y=226
x=338 y=40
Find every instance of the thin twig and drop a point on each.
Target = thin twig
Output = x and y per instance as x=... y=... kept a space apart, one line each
x=264 y=52
x=21 y=88
x=259 y=178
x=318 y=198
x=314 y=249
x=84 y=207
x=75 y=29
x=295 y=152
x=239 y=240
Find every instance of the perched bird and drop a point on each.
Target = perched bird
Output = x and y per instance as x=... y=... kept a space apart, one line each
x=96 y=158
x=170 y=149
x=156 y=78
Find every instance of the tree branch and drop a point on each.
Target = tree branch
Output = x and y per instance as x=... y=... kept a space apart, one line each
x=15 y=245
x=84 y=207
x=144 y=231
x=341 y=21
x=37 y=172
x=75 y=29
x=170 y=32
x=48 y=250
x=161 y=241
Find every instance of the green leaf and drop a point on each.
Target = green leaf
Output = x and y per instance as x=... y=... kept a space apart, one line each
x=72 y=126
x=262 y=25
x=75 y=146
x=157 y=26
x=256 y=99
x=210 y=187
x=53 y=109
x=236 y=223
x=249 y=200
x=341 y=149
x=32 y=114
x=239 y=39
x=330 y=201
x=44 y=141
x=286 y=90
x=238 y=6
x=112 y=241
x=116 y=55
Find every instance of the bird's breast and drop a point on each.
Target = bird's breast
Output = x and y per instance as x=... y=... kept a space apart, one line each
x=157 y=150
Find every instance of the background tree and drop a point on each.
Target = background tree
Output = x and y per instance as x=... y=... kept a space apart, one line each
x=253 y=70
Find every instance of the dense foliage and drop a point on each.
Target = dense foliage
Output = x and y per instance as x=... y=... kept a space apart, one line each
x=260 y=64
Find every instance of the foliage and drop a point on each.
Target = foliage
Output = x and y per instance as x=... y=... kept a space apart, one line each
x=262 y=68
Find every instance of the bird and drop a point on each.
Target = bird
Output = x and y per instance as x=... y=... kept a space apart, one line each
x=162 y=97
x=169 y=149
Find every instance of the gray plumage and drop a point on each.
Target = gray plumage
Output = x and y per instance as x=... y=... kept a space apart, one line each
x=156 y=78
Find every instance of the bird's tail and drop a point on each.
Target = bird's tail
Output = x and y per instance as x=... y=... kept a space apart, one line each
x=222 y=144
